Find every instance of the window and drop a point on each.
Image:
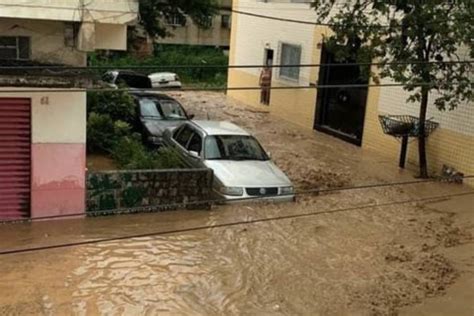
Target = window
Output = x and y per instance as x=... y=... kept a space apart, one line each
x=177 y=131
x=195 y=144
x=206 y=22
x=290 y=55
x=14 y=47
x=148 y=109
x=225 y=21
x=133 y=80
x=172 y=110
x=184 y=135
x=233 y=147
x=176 y=20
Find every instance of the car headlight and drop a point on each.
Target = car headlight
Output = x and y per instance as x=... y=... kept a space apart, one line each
x=155 y=140
x=234 y=191
x=287 y=190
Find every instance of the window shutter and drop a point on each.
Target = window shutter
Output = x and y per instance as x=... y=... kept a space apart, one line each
x=24 y=47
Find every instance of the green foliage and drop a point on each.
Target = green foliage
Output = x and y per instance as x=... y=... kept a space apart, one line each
x=417 y=42
x=414 y=32
x=111 y=116
x=103 y=132
x=131 y=154
x=174 y=55
x=153 y=12
x=118 y=105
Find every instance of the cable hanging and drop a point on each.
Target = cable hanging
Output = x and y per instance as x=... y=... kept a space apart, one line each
x=311 y=86
x=151 y=67
x=207 y=227
x=247 y=199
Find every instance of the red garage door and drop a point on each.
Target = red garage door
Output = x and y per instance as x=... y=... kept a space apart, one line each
x=15 y=158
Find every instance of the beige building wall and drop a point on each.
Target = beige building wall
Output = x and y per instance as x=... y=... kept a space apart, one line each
x=103 y=11
x=192 y=34
x=94 y=25
x=251 y=36
x=47 y=40
x=56 y=117
x=452 y=143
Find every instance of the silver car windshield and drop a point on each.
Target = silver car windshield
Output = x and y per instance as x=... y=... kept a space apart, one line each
x=233 y=147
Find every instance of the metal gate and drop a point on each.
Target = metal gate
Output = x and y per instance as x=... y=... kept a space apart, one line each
x=15 y=158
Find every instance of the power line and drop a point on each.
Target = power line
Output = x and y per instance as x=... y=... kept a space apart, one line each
x=146 y=67
x=269 y=17
x=33 y=6
x=206 y=227
x=311 y=86
x=246 y=199
x=218 y=8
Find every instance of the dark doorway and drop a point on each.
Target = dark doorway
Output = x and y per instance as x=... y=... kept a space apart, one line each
x=341 y=111
x=268 y=57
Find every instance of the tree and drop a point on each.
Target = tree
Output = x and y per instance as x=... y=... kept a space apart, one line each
x=426 y=35
x=153 y=13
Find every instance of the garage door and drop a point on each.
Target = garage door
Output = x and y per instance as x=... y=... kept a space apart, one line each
x=15 y=158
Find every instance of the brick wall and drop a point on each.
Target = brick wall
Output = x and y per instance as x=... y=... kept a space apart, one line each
x=147 y=189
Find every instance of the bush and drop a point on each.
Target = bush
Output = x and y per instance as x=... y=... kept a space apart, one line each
x=118 y=105
x=103 y=133
x=131 y=154
x=173 y=55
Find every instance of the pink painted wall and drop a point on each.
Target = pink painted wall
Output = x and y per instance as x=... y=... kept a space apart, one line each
x=58 y=179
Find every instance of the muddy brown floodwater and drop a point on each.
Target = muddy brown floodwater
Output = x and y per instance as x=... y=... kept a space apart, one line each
x=349 y=259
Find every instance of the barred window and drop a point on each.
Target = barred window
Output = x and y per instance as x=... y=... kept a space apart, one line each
x=205 y=22
x=290 y=55
x=176 y=20
x=14 y=47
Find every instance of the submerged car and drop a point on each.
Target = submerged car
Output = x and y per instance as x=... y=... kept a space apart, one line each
x=131 y=79
x=165 y=80
x=242 y=168
x=157 y=113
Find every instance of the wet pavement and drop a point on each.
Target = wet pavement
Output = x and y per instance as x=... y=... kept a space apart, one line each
x=342 y=260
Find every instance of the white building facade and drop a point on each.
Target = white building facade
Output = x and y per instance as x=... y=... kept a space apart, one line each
x=43 y=116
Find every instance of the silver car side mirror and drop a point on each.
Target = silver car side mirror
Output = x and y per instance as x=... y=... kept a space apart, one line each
x=194 y=154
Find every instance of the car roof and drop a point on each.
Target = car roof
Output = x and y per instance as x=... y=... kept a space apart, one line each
x=220 y=128
x=126 y=72
x=144 y=94
x=162 y=73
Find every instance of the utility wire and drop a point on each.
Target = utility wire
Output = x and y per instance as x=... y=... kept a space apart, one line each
x=207 y=227
x=246 y=199
x=49 y=7
x=269 y=17
x=147 y=67
x=311 y=86
x=219 y=8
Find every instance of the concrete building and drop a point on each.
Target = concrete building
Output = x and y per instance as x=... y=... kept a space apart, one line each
x=43 y=133
x=350 y=114
x=186 y=32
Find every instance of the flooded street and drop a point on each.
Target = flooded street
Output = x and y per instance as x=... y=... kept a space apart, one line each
x=346 y=256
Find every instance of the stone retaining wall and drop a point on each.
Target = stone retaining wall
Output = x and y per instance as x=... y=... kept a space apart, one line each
x=142 y=190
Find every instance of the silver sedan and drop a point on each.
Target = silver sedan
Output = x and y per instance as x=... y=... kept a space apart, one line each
x=242 y=169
